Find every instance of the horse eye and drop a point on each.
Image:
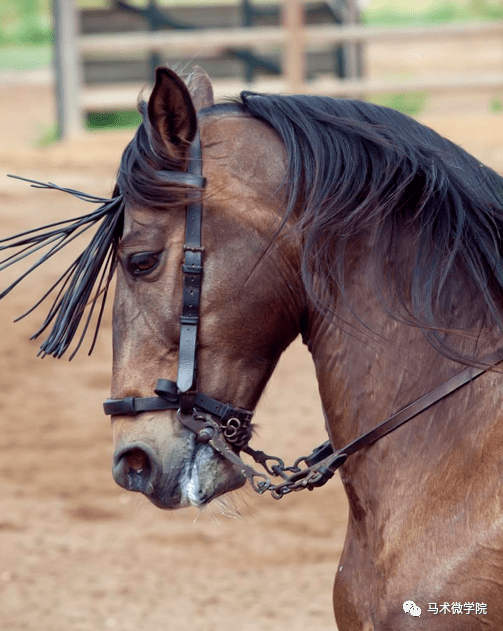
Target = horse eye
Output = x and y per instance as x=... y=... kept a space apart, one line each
x=142 y=263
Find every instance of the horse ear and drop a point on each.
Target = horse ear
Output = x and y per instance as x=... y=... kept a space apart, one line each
x=171 y=114
x=200 y=88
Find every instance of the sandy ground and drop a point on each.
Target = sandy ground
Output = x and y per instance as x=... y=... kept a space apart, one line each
x=79 y=554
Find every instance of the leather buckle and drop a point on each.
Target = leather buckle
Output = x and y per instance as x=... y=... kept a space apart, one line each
x=166 y=389
x=186 y=402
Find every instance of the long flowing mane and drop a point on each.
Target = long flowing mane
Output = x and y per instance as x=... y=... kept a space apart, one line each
x=432 y=214
x=357 y=169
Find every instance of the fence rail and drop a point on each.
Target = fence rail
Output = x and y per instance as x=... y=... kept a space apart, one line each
x=293 y=38
x=215 y=41
x=126 y=96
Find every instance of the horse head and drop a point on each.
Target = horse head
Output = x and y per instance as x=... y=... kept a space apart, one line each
x=250 y=302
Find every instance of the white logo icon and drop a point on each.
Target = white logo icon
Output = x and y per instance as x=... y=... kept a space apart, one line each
x=409 y=606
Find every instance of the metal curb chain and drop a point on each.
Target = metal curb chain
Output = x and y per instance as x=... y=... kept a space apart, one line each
x=317 y=472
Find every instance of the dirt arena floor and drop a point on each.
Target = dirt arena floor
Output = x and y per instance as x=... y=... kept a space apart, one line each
x=79 y=554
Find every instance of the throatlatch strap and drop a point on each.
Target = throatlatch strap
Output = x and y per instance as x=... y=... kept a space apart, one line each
x=192 y=277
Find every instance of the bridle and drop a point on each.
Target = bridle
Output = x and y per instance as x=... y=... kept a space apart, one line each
x=195 y=410
x=227 y=428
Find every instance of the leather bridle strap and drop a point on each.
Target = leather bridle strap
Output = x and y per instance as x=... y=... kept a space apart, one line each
x=129 y=406
x=192 y=276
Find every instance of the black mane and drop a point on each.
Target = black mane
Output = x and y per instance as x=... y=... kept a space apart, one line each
x=432 y=213
x=360 y=169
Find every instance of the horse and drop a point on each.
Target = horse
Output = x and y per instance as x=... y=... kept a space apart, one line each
x=236 y=227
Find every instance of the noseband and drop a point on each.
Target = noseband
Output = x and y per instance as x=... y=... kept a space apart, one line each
x=225 y=427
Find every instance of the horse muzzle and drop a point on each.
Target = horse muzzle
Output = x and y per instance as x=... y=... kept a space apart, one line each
x=186 y=473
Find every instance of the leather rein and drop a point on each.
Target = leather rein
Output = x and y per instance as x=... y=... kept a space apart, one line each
x=227 y=428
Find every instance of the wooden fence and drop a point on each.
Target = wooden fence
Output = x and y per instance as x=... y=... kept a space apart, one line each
x=293 y=38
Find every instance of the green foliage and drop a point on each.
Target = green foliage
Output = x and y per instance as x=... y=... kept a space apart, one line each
x=119 y=119
x=47 y=136
x=440 y=13
x=26 y=57
x=411 y=103
x=496 y=106
x=25 y=22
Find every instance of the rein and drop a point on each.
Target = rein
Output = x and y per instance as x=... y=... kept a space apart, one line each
x=227 y=428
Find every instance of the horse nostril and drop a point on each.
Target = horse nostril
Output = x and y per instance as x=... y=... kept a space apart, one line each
x=137 y=460
x=136 y=468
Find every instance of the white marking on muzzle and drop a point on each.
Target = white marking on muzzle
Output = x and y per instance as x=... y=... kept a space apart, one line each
x=190 y=484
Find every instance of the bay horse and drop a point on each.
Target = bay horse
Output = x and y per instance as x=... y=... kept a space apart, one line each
x=376 y=240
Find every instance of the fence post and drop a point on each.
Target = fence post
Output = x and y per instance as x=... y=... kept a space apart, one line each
x=67 y=69
x=292 y=19
x=352 y=50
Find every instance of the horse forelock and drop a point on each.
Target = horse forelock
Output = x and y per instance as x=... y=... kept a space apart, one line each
x=362 y=170
x=140 y=176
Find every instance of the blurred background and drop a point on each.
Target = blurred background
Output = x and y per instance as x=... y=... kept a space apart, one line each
x=76 y=552
x=421 y=56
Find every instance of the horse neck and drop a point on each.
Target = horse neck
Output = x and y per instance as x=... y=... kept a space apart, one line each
x=435 y=479
x=366 y=374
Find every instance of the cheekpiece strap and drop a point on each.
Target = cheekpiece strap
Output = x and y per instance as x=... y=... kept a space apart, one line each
x=192 y=277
